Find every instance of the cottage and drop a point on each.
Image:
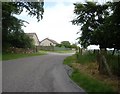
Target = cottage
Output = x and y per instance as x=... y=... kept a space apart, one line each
x=34 y=37
x=48 y=42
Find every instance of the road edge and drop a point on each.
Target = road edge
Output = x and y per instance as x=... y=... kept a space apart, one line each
x=69 y=72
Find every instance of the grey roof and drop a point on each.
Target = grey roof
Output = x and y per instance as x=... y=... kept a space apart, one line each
x=31 y=34
x=53 y=41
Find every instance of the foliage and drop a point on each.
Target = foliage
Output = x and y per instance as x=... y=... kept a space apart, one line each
x=74 y=46
x=99 y=24
x=20 y=40
x=12 y=33
x=66 y=44
x=58 y=45
x=116 y=26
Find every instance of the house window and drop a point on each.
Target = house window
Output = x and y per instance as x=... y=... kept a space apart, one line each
x=50 y=44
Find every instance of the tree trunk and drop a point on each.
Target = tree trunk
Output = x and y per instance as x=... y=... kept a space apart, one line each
x=103 y=66
x=80 y=51
x=113 y=51
x=118 y=73
x=107 y=68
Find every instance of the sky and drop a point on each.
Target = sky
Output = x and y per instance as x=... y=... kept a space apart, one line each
x=56 y=23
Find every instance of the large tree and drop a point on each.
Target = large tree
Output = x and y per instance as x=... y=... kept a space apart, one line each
x=98 y=24
x=12 y=26
x=116 y=24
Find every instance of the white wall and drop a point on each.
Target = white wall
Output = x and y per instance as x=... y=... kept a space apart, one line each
x=46 y=43
x=36 y=41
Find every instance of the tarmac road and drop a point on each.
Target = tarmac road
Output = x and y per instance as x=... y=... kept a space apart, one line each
x=44 y=73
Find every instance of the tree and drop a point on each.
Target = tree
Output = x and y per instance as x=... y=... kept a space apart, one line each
x=96 y=24
x=74 y=46
x=66 y=44
x=20 y=40
x=58 y=45
x=11 y=26
x=116 y=24
x=100 y=25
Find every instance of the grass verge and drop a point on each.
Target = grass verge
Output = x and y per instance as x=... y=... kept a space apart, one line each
x=89 y=84
x=69 y=60
x=9 y=56
x=81 y=75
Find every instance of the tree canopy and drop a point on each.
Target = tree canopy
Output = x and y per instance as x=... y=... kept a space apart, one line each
x=12 y=33
x=99 y=24
x=66 y=44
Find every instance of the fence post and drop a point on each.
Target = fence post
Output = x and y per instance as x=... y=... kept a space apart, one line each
x=103 y=66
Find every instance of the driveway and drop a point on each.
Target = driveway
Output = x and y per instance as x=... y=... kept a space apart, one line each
x=44 y=73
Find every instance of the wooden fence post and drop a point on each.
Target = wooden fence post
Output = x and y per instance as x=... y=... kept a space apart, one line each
x=103 y=66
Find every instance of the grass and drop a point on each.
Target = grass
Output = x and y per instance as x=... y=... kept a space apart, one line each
x=85 y=74
x=113 y=63
x=89 y=84
x=69 y=60
x=86 y=58
x=9 y=56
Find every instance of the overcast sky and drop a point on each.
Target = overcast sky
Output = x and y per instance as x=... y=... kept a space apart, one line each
x=56 y=23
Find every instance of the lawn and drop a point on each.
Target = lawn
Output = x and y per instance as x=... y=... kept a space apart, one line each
x=86 y=75
x=9 y=56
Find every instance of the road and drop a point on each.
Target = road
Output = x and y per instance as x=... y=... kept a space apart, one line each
x=44 y=73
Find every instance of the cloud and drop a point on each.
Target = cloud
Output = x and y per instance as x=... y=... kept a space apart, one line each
x=55 y=23
x=63 y=1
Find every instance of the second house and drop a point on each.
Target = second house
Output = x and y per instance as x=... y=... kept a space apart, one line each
x=48 y=42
